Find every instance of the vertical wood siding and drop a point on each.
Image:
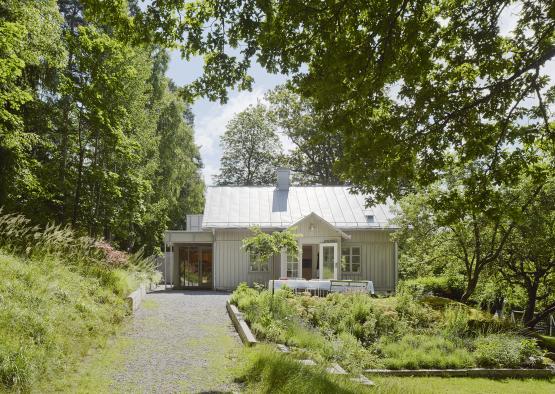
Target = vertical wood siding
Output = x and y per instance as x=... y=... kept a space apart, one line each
x=231 y=264
x=377 y=258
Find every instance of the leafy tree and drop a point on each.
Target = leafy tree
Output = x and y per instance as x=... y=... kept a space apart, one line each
x=316 y=148
x=30 y=48
x=251 y=149
x=464 y=221
x=92 y=132
x=263 y=246
x=529 y=258
x=409 y=83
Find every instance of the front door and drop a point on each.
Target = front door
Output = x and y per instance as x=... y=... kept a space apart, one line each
x=195 y=266
x=328 y=261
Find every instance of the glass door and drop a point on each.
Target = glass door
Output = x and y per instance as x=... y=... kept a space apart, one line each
x=195 y=266
x=328 y=261
x=206 y=267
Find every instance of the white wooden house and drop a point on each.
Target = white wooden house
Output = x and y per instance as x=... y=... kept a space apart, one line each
x=338 y=232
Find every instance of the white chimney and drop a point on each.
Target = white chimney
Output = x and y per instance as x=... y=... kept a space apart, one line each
x=283 y=178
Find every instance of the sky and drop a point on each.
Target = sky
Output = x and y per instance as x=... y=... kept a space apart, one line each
x=211 y=118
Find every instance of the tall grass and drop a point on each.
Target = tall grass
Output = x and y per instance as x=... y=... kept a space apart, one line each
x=264 y=370
x=119 y=271
x=360 y=332
x=60 y=295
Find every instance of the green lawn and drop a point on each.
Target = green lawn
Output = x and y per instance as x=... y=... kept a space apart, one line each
x=462 y=385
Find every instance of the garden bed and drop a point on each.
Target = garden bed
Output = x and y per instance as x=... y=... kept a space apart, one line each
x=396 y=333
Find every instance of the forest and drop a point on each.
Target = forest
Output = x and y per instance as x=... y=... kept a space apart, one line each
x=92 y=132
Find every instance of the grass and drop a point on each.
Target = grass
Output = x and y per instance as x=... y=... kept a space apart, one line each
x=421 y=352
x=50 y=316
x=61 y=295
x=392 y=385
x=264 y=370
x=361 y=332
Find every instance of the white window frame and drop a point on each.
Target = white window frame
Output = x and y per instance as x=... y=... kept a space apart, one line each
x=292 y=264
x=350 y=259
x=258 y=264
x=335 y=259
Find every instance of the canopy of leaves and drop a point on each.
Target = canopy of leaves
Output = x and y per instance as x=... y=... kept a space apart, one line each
x=317 y=149
x=408 y=82
x=262 y=245
x=251 y=149
x=92 y=132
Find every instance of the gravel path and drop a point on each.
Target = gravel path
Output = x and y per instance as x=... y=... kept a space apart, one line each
x=179 y=342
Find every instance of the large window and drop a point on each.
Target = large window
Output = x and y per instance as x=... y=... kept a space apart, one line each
x=257 y=266
x=350 y=259
x=292 y=265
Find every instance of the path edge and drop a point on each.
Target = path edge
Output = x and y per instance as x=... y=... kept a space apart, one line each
x=466 y=372
x=241 y=325
x=136 y=297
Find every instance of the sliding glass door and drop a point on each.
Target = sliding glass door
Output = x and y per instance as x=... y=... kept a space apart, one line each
x=195 y=266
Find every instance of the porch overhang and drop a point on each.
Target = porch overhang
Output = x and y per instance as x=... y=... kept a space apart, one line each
x=313 y=216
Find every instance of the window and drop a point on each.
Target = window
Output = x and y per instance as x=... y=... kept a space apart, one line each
x=257 y=266
x=292 y=266
x=350 y=259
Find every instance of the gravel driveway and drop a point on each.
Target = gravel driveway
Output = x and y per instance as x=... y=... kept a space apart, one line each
x=179 y=342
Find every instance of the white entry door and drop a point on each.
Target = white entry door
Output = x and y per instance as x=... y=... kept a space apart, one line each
x=328 y=261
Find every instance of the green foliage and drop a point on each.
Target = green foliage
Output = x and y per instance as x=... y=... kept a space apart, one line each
x=501 y=350
x=92 y=132
x=408 y=84
x=355 y=314
x=422 y=351
x=442 y=286
x=50 y=316
x=60 y=295
x=264 y=370
x=317 y=147
x=361 y=332
x=263 y=246
x=115 y=270
x=462 y=322
x=251 y=150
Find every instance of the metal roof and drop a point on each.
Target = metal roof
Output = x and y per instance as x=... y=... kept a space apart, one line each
x=268 y=207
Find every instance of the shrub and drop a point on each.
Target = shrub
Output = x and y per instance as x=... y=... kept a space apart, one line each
x=423 y=351
x=459 y=321
x=414 y=313
x=355 y=314
x=442 y=286
x=351 y=355
x=507 y=351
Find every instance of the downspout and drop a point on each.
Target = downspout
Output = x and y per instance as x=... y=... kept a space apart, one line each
x=396 y=262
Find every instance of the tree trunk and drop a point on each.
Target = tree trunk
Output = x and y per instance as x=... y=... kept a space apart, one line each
x=531 y=304
x=471 y=284
x=542 y=315
x=78 y=186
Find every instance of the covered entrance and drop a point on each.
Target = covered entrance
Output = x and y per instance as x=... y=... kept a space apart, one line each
x=319 y=247
x=195 y=266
